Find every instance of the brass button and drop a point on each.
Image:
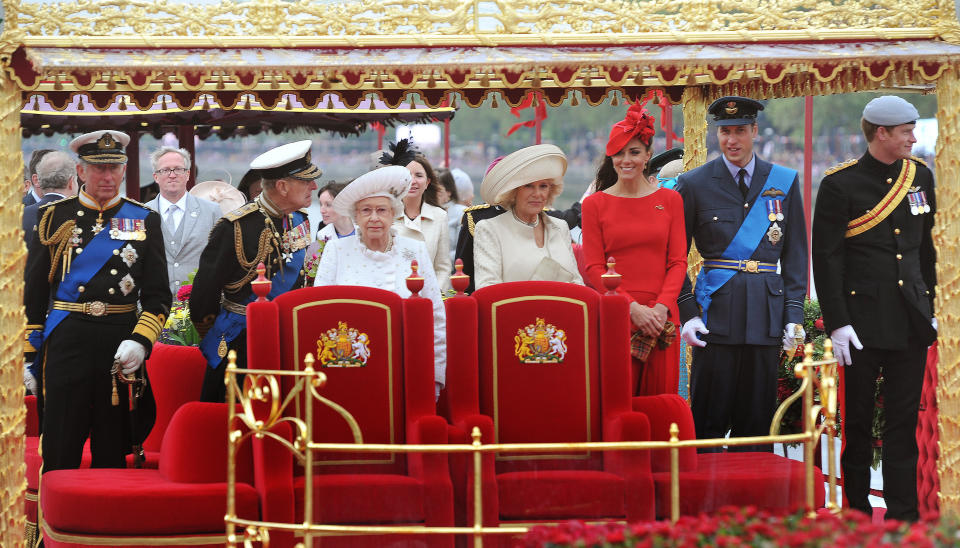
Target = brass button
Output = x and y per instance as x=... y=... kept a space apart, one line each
x=896 y=231
x=715 y=218
x=111 y=291
x=80 y=213
x=899 y=257
x=745 y=206
x=113 y=271
x=927 y=292
x=79 y=250
x=81 y=289
x=853 y=292
x=889 y=181
x=116 y=251
x=900 y=283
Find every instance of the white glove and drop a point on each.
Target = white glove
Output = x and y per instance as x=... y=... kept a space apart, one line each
x=437 y=387
x=690 y=329
x=842 y=338
x=933 y=322
x=791 y=333
x=29 y=382
x=130 y=354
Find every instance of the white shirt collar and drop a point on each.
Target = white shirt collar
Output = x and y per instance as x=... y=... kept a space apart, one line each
x=163 y=204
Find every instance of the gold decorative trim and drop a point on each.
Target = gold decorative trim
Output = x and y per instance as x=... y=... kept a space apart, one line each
x=587 y=342
x=96 y=540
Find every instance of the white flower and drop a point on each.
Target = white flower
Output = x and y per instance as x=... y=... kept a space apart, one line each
x=129 y=255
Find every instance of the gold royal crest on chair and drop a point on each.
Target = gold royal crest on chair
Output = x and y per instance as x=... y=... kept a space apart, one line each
x=343 y=347
x=540 y=342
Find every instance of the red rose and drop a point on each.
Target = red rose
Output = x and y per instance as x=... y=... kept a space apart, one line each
x=184 y=292
x=818 y=323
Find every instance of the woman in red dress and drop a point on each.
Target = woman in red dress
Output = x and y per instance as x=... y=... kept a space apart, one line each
x=641 y=226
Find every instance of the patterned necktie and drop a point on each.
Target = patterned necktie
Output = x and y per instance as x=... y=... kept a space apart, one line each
x=741 y=183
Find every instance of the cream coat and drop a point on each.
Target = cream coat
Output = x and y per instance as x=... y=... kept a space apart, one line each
x=431 y=228
x=504 y=250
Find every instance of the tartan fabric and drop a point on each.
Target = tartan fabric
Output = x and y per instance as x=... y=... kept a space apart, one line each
x=641 y=345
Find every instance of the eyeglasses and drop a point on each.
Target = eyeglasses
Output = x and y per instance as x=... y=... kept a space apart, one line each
x=174 y=170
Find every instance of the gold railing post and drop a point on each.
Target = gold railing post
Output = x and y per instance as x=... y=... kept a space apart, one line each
x=674 y=473
x=310 y=380
x=828 y=399
x=805 y=369
x=477 y=488
x=946 y=237
x=230 y=379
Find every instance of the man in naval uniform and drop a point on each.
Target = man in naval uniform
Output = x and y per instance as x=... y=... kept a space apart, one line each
x=93 y=258
x=874 y=266
x=745 y=215
x=272 y=229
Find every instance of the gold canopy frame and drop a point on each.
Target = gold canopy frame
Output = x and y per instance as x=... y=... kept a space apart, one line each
x=479 y=52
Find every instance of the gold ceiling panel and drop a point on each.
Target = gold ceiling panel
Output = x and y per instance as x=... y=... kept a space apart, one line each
x=464 y=22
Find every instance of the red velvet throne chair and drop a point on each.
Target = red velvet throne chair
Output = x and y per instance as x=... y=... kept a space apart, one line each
x=180 y=503
x=376 y=350
x=176 y=373
x=546 y=362
x=710 y=481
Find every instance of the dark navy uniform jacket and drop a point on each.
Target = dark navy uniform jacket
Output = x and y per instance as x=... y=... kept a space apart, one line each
x=881 y=281
x=751 y=308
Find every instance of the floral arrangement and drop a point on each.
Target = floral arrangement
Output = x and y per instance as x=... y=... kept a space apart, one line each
x=749 y=527
x=788 y=383
x=179 y=329
x=310 y=264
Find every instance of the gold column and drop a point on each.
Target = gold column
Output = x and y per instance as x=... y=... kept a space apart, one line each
x=12 y=321
x=946 y=237
x=694 y=102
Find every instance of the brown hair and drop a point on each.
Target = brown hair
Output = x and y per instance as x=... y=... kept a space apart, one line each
x=430 y=193
x=607 y=176
x=870 y=129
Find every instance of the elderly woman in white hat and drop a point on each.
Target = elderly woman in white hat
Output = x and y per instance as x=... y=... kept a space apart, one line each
x=377 y=256
x=524 y=243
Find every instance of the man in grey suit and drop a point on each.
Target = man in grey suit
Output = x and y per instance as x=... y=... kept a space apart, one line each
x=187 y=220
x=56 y=179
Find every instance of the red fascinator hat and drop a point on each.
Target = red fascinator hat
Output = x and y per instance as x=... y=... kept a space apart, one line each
x=638 y=123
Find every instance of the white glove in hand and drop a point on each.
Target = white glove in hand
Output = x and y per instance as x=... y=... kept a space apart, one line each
x=791 y=333
x=130 y=354
x=691 y=328
x=842 y=338
x=437 y=387
x=29 y=382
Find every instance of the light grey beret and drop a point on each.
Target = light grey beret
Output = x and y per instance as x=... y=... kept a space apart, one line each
x=890 y=110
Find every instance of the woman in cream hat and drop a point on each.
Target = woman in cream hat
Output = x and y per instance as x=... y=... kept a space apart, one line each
x=524 y=243
x=377 y=256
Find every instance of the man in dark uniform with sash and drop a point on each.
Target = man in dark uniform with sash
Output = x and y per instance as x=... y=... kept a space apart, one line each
x=273 y=230
x=92 y=259
x=875 y=270
x=746 y=216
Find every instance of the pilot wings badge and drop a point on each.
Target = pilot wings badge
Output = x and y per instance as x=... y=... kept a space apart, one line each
x=540 y=342
x=343 y=347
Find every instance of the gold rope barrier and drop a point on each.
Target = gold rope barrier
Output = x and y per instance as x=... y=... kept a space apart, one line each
x=12 y=322
x=946 y=236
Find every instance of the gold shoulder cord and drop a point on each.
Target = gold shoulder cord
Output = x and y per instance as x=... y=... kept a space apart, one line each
x=264 y=247
x=60 y=239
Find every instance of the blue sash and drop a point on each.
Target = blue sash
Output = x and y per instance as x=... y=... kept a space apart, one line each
x=744 y=242
x=229 y=325
x=86 y=265
x=670 y=183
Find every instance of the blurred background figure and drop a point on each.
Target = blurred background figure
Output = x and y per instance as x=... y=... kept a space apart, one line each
x=56 y=179
x=31 y=196
x=449 y=198
x=250 y=185
x=334 y=224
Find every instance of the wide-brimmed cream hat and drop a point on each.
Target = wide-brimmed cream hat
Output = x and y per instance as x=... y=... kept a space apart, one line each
x=389 y=181
x=221 y=193
x=524 y=166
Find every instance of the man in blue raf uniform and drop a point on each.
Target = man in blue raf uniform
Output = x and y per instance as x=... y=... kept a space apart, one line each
x=746 y=216
x=91 y=261
x=273 y=230
x=875 y=269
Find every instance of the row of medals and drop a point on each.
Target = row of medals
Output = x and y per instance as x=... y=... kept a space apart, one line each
x=774 y=214
x=918 y=201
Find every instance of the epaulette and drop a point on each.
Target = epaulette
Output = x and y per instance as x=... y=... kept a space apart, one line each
x=55 y=202
x=136 y=203
x=920 y=161
x=840 y=167
x=242 y=211
x=476 y=207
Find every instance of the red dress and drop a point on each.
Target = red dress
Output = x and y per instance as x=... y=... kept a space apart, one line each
x=647 y=238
